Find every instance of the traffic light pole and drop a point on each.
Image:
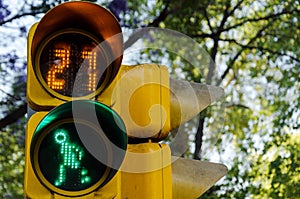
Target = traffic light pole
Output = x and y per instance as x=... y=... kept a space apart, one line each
x=146 y=172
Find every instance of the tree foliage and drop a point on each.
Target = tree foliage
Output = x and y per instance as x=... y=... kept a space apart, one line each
x=254 y=55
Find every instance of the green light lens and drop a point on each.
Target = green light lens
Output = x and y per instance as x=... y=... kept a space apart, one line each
x=62 y=156
x=65 y=162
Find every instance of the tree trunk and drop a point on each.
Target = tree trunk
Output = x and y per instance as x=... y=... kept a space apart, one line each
x=199 y=136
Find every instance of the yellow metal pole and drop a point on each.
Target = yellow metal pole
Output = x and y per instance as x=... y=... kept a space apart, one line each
x=146 y=172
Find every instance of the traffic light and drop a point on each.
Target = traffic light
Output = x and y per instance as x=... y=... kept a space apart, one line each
x=98 y=125
x=74 y=52
x=74 y=144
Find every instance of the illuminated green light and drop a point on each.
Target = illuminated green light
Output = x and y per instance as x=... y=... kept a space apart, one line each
x=65 y=162
x=61 y=136
x=85 y=179
x=72 y=156
x=83 y=172
x=61 y=159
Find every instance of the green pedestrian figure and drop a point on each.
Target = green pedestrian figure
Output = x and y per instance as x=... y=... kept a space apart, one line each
x=72 y=155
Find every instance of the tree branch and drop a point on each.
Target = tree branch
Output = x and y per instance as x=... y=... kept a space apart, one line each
x=214 y=50
x=10 y=95
x=134 y=37
x=225 y=17
x=13 y=116
x=232 y=61
x=216 y=36
x=161 y=17
x=202 y=35
x=213 y=33
x=265 y=18
x=236 y=7
x=208 y=21
x=20 y=15
x=199 y=138
x=237 y=105
x=155 y=23
x=262 y=49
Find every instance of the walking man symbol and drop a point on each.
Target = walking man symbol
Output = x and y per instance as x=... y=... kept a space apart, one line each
x=72 y=155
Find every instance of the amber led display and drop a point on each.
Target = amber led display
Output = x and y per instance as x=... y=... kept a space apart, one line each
x=71 y=64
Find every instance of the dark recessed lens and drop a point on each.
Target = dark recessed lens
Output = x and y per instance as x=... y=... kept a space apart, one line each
x=71 y=57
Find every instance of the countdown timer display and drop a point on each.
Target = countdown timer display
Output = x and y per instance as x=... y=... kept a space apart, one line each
x=71 y=64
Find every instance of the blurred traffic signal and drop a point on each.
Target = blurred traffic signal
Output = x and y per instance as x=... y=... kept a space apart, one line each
x=98 y=126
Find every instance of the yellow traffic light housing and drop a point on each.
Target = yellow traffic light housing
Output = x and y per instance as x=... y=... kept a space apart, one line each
x=72 y=56
x=74 y=53
x=76 y=143
x=146 y=172
x=141 y=95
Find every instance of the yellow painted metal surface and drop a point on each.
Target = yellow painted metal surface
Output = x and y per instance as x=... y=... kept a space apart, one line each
x=32 y=186
x=192 y=178
x=188 y=99
x=146 y=172
x=37 y=97
x=151 y=104
x=140 y=94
